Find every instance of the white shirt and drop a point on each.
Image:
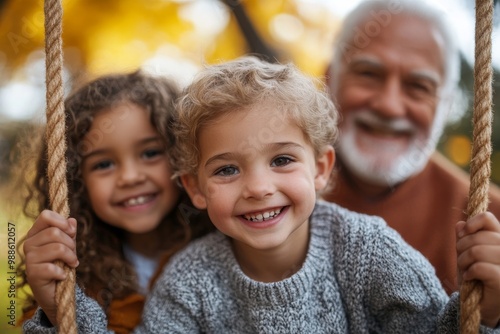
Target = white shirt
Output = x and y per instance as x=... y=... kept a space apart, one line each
x=144 y=267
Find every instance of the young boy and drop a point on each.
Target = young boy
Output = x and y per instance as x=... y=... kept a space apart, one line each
x=255 y=148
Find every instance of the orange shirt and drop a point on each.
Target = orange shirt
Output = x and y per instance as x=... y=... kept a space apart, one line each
x=424 y=210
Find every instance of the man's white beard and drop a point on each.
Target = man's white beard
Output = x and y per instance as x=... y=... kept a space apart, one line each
x=373 y=167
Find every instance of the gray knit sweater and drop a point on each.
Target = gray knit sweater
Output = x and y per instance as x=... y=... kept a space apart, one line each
x=358 y=277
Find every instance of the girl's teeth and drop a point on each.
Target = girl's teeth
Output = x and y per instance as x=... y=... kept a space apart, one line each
x=136 y=201
x=263 y=216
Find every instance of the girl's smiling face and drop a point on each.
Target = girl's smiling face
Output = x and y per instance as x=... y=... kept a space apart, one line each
x=258 y=178
x=126 y=170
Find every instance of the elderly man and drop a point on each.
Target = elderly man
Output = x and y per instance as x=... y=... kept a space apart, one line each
x=394 y=76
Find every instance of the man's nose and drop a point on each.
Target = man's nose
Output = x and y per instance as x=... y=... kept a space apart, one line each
x=389 y=100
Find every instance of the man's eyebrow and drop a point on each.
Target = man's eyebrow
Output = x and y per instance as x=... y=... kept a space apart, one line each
x=424 y=74
x=365 y=60
x=428 y=75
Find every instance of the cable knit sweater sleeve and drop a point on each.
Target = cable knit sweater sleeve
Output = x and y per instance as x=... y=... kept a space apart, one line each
x=90 y=318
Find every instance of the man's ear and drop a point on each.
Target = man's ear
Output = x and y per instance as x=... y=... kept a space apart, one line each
x=329 y=82
x=190 y=183
x=328 y=75
x=324 y=167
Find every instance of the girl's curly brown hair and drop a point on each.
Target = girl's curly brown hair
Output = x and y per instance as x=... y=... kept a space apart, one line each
x=103 y=270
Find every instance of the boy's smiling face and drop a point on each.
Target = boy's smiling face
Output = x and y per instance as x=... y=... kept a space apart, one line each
x=257 y=177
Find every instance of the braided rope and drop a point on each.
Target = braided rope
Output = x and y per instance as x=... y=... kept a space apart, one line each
x=56 y=148
x=480 y=169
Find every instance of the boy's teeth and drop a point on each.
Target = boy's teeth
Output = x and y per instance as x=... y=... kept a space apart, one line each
x=136 y=201
x=263 y=215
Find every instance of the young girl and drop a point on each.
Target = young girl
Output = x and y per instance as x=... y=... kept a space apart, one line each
x=131 y=215
x=256 y=148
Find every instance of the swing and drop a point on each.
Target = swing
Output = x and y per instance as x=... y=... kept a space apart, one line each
x=480 y=169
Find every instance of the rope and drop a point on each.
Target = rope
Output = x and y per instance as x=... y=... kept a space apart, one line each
x=480 y=169
x=56 y=142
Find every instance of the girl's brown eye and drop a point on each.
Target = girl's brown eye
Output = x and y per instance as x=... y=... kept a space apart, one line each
x=148 y=154
x=102 y=165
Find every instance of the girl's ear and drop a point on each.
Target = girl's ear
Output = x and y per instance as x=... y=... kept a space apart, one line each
x=324 y=167
x=190 y=183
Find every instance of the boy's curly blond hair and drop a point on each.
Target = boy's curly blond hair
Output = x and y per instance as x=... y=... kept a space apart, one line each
x=237 y=86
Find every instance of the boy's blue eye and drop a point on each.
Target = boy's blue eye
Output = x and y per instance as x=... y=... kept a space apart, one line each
x=102 y=165
x=281 y=161
x=226 y=171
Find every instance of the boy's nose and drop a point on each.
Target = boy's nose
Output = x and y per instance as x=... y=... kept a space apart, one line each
x=258 y=184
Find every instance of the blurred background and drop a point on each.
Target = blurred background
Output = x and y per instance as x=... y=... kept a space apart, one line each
x=175 y=38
